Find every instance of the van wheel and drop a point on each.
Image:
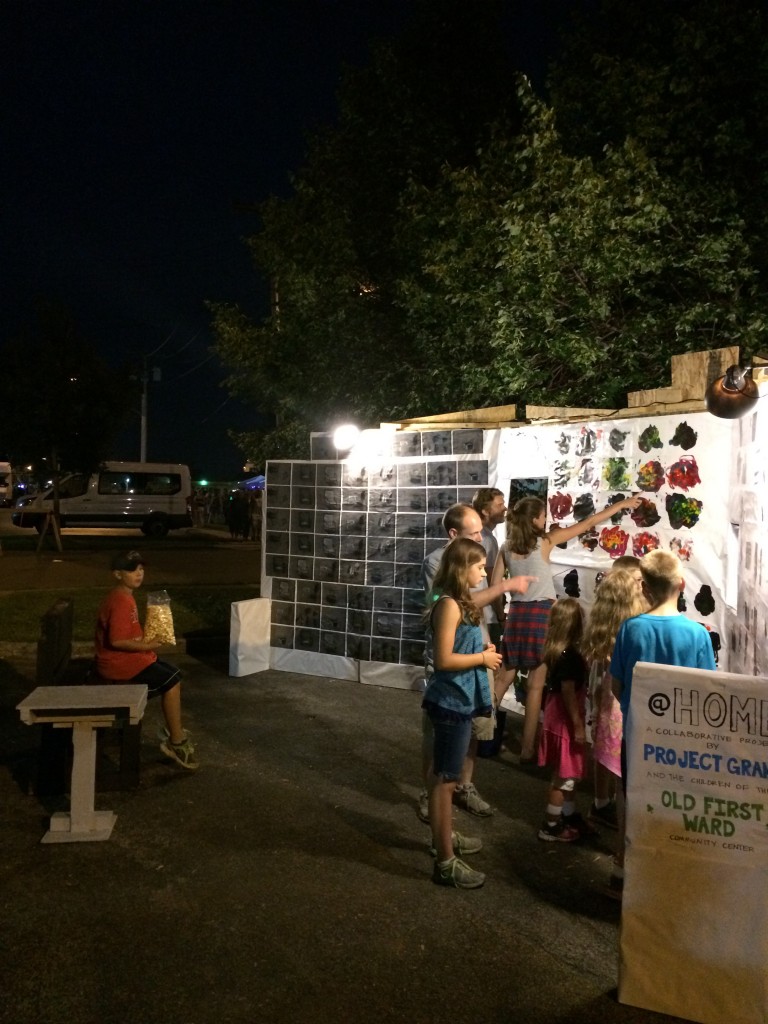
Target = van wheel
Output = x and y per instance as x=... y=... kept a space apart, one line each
x=155 y=527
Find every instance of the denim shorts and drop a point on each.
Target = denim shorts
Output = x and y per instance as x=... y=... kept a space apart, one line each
x=450 y=748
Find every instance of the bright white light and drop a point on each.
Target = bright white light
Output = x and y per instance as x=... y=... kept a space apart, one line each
x=344 y=438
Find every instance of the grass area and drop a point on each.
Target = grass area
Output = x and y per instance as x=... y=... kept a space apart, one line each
x=196 y=610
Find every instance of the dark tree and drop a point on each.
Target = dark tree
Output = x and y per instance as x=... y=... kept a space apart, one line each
x=59 y=400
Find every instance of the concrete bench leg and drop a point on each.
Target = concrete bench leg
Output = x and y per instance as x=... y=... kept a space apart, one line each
x=83 y=823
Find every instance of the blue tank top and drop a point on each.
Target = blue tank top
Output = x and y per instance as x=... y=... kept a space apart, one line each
x=465 y=693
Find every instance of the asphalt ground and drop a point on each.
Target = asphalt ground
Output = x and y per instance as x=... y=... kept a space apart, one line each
x=288 y=879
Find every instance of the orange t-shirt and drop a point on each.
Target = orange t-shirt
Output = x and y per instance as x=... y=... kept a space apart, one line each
x=118 y=619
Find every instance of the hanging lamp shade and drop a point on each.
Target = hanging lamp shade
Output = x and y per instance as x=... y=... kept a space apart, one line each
x=733 y=394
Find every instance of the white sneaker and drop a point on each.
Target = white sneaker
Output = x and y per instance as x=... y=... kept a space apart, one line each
x=470 y=800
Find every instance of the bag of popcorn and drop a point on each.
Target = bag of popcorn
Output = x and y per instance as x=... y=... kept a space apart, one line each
x=158 y=626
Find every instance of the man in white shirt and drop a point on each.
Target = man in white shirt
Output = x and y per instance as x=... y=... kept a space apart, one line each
x=489 y=504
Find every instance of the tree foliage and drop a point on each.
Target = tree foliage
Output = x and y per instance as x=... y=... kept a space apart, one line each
x=687 y=81
x=557 y=279
x=58 y=399
x=457 y=242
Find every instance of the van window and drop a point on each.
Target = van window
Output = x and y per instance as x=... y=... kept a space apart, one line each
x=73 y=486
x=139 y=483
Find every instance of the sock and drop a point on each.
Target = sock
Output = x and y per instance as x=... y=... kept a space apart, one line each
x=446 y=863
x=553 y=813
x=600 y=804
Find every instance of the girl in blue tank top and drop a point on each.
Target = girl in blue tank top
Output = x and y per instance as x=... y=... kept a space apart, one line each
x=457 y=691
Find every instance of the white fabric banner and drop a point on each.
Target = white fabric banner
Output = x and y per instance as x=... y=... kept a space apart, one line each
x=694 y=928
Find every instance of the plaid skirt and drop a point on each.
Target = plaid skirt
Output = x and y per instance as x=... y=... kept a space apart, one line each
x=524 y=632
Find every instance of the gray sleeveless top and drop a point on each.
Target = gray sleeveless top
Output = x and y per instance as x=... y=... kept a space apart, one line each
x=532 y=565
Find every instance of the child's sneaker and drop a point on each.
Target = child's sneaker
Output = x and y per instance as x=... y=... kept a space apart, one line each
x=182 y=753
x=557 y=832
x=458 y=875
x=164 y=734
x=604 y=815
x=463 y=846
x=578 y=824
x=470 y=800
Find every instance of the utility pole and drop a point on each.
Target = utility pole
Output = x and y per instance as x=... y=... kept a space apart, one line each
x=145 y=375
x=143 y=451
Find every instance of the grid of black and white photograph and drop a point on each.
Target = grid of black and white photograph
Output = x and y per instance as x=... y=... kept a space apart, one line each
x=344 y=544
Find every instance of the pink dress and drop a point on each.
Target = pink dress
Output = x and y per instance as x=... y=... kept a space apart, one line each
x=557 y=749
x=606 y=719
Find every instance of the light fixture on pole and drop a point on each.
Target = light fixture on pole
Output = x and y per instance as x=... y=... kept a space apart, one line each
x=733 y=394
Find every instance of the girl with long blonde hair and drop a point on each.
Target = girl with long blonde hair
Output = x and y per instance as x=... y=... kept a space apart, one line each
x=618 y=597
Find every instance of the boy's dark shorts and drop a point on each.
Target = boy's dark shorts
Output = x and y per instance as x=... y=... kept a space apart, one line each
x=159 y=678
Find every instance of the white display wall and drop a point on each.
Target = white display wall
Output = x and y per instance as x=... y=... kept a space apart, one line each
x=748 y=616
x=344 y=539
x=679 y=465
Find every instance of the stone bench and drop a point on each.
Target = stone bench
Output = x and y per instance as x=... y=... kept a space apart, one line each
x=55 y=666
x=84 y=710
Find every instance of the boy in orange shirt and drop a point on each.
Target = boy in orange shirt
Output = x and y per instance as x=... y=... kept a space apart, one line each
x=123 y=655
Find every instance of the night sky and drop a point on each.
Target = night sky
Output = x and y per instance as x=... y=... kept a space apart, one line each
x=136 y=135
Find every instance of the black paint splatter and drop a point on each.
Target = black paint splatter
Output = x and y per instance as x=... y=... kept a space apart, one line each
x=583 y=507
x=616 y=439
x=684 y=436
x=704 y=602
x=617 y=516
x=561 y=473
x=587 y=442
x=571 y=583
x=563 y=443
x=716 y=645
x=586 y=473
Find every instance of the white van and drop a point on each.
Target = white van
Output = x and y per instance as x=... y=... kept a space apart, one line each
x=6 y=484
x=154 y=496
